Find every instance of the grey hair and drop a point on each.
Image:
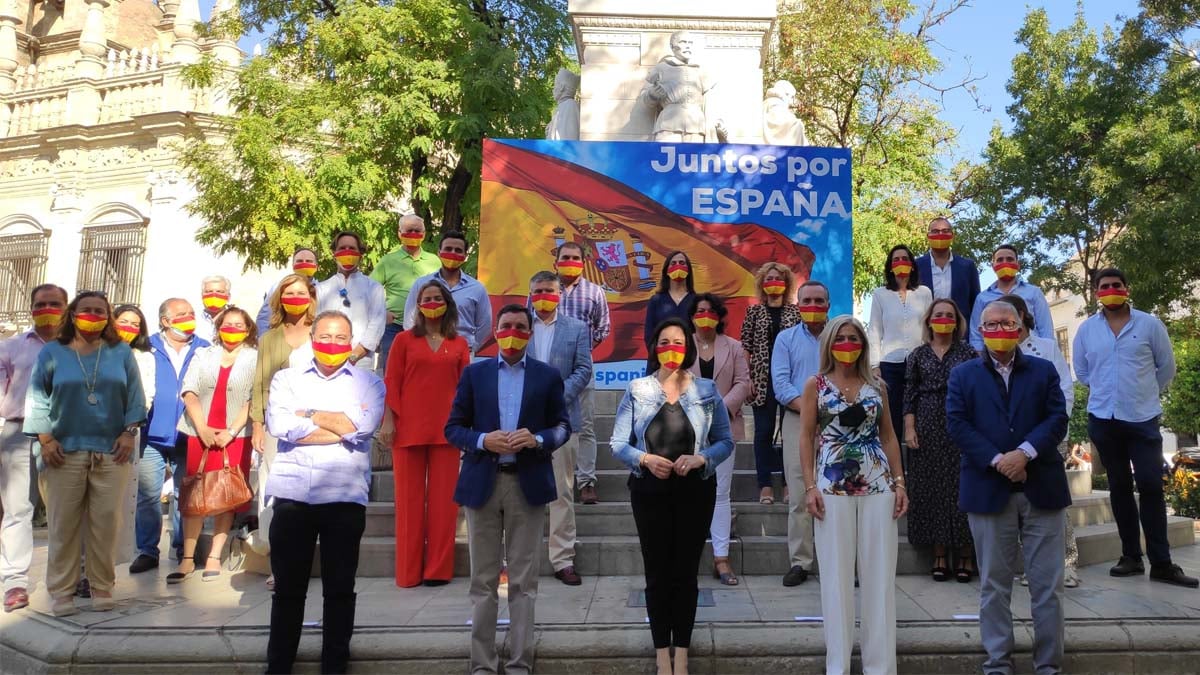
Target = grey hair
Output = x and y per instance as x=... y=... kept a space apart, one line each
x=1000 y=304
x=330 y=314
x=543 y=275
x=218 y=278
x=162 y=309
x=411 y=216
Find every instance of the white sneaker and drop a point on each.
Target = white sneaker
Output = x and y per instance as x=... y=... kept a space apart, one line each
x=1070 y=578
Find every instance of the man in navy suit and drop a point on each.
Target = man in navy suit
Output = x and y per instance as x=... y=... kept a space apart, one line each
x=1006 y=412
x=948 y=275
x=508 y=418
x=565 y=344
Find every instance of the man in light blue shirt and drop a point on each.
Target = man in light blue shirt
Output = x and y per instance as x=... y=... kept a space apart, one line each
x=1124 y=356
x=324 y=415
x=1007 y=268
x=794 y=359
x=474 y=306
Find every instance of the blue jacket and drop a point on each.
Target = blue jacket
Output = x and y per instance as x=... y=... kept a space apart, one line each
x=168 y=406
x=476 y=411
x=985 y=419
x=705 y=410
x=964 y=280
x=571 y=356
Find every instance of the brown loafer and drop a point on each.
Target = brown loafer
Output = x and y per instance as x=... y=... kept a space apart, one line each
x=568 y=576
x=587 y=494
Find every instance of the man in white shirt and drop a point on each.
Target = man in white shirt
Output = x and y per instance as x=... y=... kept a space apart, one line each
x=356 y=295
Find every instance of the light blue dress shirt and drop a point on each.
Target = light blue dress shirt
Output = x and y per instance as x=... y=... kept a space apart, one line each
x=795 y=358
x=335 y=472
x=1126 y=373
x=510 y=382
x=1043 y=323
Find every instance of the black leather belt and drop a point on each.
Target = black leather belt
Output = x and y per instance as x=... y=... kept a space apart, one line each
x=507 y=467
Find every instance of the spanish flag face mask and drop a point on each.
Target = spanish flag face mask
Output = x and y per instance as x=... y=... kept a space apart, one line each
x=434 y=309
x=45 y=317
x=347 y=259
x=706 y=319
x=90 y=325
x=677 y=271
x=214 y=302
x=304 y=268
x=1001 y=341
x=1113 y=298
x=512 y=341
x=295 y=305
x=232 y=336
x=127 y=333
x=943 y=325
x=545 y=302
x=331 y=354
x=847 y=353
x=569 y=270
x=670 y=356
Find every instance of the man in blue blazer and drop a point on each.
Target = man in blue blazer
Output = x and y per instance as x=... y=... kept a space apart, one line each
x=508 y=418
x=1006 y=413
x=173 y=347
x=948 y=275
x=566 y=344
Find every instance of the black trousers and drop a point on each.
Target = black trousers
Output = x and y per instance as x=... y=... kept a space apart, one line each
x=295 y=529
x=1120 y=444
x=673 y=517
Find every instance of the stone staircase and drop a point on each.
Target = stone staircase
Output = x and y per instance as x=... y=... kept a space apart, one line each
x=608 y=543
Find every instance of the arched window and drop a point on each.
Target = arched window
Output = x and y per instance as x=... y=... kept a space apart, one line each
x=112 y=253
x=23 y=246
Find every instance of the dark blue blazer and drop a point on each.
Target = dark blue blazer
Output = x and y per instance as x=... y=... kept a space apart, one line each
x=985 y=419
x=964 y=280
x=476 y=411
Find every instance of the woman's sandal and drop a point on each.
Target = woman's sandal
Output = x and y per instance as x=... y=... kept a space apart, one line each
x=211 y=575
x=727 y=578
x=180 y=577
x=962 y=575
x=940 y=572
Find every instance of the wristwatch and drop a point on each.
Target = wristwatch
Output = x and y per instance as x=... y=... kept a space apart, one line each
x=131 y=430
x=540 y=443
x=305 y=412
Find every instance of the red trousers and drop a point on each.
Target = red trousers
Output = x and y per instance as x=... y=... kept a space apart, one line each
x=426 y=515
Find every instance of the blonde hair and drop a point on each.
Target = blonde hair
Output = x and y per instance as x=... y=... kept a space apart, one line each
x=277 y=295
x=863 y=366
x=789 y=294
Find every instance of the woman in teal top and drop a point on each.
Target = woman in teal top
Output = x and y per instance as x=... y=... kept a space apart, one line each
x=85 y=405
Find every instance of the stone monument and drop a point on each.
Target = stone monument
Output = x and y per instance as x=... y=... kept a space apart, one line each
x=564 y=123
x=671 y=69
x=780 y=124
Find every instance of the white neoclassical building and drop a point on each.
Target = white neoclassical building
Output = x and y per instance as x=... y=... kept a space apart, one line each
x=92 y=108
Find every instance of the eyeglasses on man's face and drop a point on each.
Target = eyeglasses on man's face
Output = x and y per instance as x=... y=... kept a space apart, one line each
x=1000 y=325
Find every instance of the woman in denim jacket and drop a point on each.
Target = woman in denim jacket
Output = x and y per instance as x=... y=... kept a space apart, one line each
x=672 y=430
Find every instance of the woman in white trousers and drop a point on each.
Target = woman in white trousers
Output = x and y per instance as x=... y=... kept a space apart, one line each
x=856 y=492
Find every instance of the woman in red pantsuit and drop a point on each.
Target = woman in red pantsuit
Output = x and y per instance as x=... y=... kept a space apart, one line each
x=423 y=368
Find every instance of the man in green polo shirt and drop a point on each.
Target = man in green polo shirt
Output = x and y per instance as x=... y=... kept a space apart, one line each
x=397 y=271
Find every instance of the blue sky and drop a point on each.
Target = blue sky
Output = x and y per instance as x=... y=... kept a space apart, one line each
x=982 y=37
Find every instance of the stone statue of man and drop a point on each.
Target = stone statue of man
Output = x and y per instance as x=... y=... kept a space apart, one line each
x=780 y=124
x=676 y=89
x=564 y=123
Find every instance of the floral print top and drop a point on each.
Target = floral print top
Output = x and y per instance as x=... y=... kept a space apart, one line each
x=850 y=459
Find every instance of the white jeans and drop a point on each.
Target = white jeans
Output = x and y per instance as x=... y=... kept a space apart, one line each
x=862 y=529
x=722 y=512
x=16 y=530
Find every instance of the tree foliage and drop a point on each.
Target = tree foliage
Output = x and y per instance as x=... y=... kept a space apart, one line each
x=360 y=107
x=1099 y=166
x=867 y=79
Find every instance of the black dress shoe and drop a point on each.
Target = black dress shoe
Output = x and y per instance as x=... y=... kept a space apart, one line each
x=1173 y=574
x=433 y=583
x=569 y=576
x=142 y=563
x=1128 y=567
x=795 y=576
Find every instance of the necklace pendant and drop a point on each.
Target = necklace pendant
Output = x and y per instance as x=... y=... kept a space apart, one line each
x=92 y=399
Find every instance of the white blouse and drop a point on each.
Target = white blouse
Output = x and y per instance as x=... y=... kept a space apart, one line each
x=1045 y=348
x=895 y=328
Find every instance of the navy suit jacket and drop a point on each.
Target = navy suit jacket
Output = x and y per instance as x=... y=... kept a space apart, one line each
x=984 y=420
x=476 y=411
x=964 y=280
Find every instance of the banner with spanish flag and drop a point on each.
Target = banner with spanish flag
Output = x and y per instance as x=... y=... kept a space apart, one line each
x=630 y=204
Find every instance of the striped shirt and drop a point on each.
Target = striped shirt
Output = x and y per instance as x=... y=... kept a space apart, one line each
x=585 y=301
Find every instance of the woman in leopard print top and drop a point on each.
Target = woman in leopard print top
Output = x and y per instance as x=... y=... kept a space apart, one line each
x=776 y=311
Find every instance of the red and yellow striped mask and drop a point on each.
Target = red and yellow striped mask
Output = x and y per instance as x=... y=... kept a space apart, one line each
x=185 y=326
x=944 y=325
x=774 y=287
x=1006 y=270
x=813 y=313
x=347 y=258
x=569 y=268
x=941 y=241
x=412 y=240
x=678 y=271
x=452 y=261
x=127 y=334
x=706 y=319
x=233 y=336
x=214 y=301
x=295 y=305
x=1001 y=340
x=847 y=353
x=331 y=354
x=432 y=310
x=902 y=269
x=90 y=325
x=545 y=302
x=512 y=341
x=47 y=316
x=305 y=269
x=1113 y=298
x=670 y=356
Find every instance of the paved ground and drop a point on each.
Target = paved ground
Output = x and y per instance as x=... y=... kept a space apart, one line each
x=1114 y=625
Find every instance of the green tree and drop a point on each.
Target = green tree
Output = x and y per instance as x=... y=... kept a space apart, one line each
x=866 y=79
x=359 y=106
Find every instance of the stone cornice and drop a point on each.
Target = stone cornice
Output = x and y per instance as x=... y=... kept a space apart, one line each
x=587 y=23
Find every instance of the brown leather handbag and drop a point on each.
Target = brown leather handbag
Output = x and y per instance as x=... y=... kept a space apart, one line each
x=207 y=493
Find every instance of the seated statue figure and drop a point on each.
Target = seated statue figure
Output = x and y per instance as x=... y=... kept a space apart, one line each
x=780 y=124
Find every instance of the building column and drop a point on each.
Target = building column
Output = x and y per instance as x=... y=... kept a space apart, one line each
x=8 y=48
x=186 y=49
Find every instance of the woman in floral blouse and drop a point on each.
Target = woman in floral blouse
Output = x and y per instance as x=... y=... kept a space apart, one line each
x=856 y=493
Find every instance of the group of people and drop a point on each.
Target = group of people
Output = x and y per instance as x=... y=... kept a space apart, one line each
x=956 y=419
